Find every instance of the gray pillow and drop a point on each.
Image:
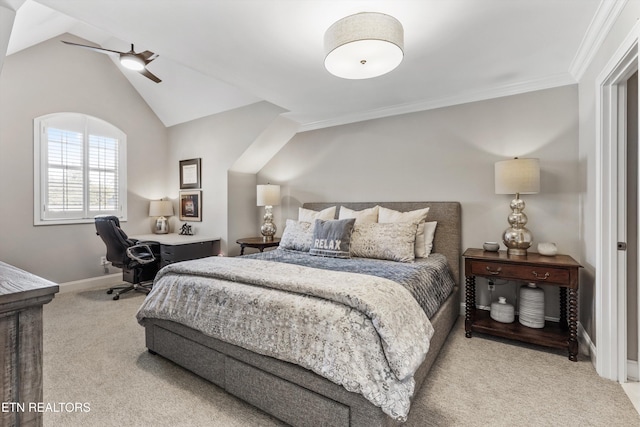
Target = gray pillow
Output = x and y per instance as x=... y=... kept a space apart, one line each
x=332 y=238
x=297 y=236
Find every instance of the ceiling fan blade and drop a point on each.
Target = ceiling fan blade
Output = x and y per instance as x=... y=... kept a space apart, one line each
x=148 y=56
x=145 y=56
x=97 y=49
x=150 y=76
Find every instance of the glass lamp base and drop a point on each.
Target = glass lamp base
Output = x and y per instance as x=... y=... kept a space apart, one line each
x=162 y=226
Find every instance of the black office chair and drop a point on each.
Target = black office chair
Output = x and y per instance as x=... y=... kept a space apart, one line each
x=139 y=261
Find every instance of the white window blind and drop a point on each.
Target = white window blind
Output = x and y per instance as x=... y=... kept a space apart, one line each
x=79 y=168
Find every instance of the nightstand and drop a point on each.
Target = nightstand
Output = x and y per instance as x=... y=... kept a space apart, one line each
x=258 y=243
x=559 y=270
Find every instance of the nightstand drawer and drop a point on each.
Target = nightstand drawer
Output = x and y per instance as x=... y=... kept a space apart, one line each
x=527 y=273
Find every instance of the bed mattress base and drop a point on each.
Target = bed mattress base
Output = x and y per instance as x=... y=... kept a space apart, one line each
x=286 y=391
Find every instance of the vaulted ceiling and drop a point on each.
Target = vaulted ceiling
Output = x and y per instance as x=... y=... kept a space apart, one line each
x=217 y=55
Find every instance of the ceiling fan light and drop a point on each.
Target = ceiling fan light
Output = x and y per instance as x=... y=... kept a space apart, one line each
x=132 y=62
x=364 y=45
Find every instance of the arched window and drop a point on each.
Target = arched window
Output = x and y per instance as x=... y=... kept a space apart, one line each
x=79 y=169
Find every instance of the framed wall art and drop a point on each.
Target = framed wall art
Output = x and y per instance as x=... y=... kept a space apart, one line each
x=191 y=205
x=190 y=174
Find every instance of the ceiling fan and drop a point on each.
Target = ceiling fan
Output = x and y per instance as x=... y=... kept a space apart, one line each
x=131 y=60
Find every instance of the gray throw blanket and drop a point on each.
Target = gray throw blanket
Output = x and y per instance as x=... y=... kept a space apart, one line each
x=428 y=279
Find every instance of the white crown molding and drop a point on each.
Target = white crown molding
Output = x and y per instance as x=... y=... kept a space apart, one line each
x=548 y=82
x=604 y=18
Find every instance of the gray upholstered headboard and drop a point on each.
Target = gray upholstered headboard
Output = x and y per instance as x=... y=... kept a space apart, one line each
x=447 y=240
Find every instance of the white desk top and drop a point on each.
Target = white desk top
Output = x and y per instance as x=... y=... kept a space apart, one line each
x=174 y=238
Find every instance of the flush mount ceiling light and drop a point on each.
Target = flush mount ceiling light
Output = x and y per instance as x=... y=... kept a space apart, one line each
x=364 y=45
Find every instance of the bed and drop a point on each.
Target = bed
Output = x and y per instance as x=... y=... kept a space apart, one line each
x=296 y=393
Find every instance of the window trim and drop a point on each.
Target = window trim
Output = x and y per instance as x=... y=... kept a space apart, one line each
x=39 y=174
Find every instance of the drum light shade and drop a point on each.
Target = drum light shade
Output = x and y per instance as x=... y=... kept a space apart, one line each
x=160 y=208
x=268 y=195
x=364 y=45
x=517 y=176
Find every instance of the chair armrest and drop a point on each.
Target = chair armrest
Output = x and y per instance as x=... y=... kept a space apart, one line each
x=141 y=253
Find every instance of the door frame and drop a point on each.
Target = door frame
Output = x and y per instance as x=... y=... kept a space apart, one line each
x=610 y=301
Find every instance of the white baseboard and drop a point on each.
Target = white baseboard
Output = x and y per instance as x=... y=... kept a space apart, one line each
x=632 y=370
x=587 y=347
x=91 y=283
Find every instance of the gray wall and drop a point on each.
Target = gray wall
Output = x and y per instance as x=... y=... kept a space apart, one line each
x=219 y=140
x=242 y=210
x=447 y=154
x=52 y=77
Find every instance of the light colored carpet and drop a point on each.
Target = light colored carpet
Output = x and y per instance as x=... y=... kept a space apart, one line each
x=94 y=353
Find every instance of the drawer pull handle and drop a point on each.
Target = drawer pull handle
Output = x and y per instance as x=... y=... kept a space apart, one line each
x=546 y=275
x=494 y=272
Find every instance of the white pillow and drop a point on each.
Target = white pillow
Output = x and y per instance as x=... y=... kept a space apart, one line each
x=364 y=216
x=418 y=216
x=307 y=215
x=429 y=233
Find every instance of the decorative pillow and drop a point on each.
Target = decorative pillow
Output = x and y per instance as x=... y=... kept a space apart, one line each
x=429 y=234
x=297 y=235
x=363 y=216
x=308 y=215
x=389 y=215
x=390 y=241
x=419 y=216
x=332 y=238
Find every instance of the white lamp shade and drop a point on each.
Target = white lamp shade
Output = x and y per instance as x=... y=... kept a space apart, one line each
x=364 y=45
x=517 y=176
x=160 y=208
x=268 y=195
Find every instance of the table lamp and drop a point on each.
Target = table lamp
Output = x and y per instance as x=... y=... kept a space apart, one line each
x=161 y=209
x=268 y=196
x=517 y=176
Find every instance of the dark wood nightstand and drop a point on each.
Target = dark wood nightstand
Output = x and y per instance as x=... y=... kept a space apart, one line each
x=559 y=270
x=257 y=242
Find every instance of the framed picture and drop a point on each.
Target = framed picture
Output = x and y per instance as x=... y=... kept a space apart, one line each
x=189 y=173
x=191 y=205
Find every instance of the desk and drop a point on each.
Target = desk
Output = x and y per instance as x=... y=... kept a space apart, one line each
x=257 y=242
x=176 y=247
